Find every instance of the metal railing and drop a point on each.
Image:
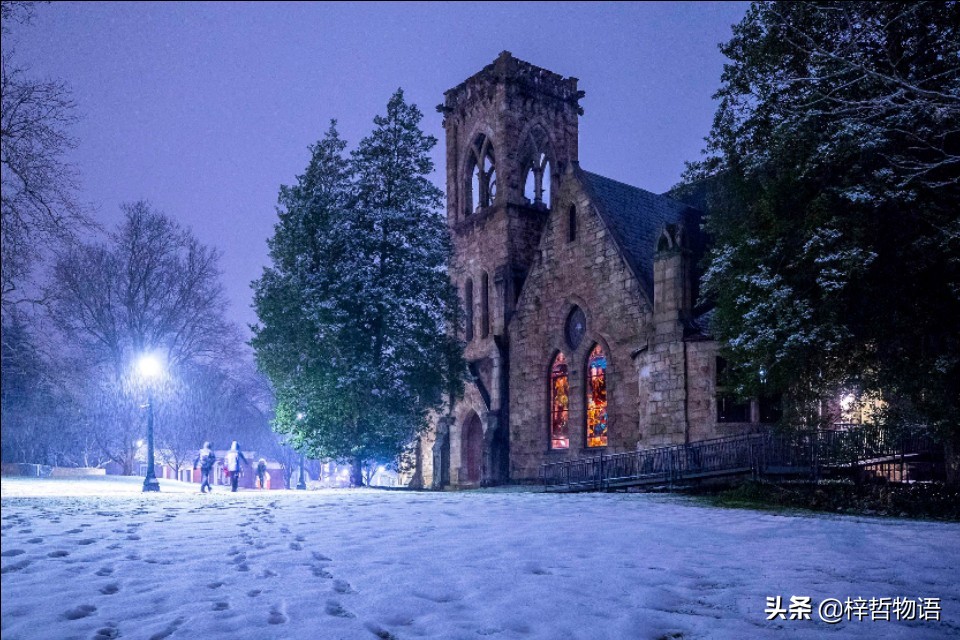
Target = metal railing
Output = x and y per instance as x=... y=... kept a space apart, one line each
x=756 y=454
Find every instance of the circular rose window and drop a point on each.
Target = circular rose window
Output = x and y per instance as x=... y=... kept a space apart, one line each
x=576 y=327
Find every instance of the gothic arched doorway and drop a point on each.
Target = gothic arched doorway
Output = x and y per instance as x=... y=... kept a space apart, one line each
x=471 y=446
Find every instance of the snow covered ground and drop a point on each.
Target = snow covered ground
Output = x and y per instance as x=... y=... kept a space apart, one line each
x=95 y=558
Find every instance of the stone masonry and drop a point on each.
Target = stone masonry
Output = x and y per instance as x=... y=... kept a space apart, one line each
x=525 y=257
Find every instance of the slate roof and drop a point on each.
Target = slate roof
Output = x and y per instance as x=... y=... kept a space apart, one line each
x=634 y=218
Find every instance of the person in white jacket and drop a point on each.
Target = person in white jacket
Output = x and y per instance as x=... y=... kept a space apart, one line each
x=232 y=461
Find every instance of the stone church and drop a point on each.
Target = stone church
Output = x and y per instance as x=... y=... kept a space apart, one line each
x=578 y=290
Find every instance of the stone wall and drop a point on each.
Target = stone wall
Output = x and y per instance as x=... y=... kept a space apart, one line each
x=522 y=110
x=590 y=273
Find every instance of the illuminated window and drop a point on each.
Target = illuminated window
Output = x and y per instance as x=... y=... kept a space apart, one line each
x=559 y=404
x=597 y=398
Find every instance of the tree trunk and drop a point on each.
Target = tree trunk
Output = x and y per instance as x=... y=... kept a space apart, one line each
x=356 y=472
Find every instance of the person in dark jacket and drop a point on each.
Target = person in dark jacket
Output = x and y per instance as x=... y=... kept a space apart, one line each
x=261 y=473
x=206 y=459
x=232 y=461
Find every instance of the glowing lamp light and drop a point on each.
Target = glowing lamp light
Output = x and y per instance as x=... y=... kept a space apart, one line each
x=846 y=401
x=149 y=366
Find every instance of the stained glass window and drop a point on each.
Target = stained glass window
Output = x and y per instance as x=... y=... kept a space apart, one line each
x=597 y=398
x=559 y=404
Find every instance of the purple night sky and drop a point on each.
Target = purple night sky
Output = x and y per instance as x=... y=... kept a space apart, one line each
x=206 y=109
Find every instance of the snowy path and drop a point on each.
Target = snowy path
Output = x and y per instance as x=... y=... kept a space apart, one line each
x=96 y=559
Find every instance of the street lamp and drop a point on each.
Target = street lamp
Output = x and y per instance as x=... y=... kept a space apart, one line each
x=150 y=369
x=302 y=484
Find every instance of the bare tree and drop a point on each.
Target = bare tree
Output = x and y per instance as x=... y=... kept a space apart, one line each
x=39 y=205
x=152 y=287
x=115 y=407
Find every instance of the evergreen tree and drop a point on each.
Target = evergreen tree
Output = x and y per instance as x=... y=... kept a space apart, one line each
x=355 y=311
x=833 y=165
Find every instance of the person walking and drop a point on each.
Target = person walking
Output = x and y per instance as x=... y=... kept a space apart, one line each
x=261 y=473
x=206 y=459
x=232 y=461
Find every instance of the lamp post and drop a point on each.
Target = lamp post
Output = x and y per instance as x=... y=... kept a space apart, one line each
x=302 y=483
x=150 y=368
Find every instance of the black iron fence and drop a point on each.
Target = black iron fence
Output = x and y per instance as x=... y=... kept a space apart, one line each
x=844 y=450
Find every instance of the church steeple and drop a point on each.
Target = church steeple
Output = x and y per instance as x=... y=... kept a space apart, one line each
x=511 y=132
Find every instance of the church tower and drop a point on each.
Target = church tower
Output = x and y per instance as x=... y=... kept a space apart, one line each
x=511 y=134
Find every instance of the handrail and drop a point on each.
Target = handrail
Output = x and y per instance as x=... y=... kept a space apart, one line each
x=753 y=453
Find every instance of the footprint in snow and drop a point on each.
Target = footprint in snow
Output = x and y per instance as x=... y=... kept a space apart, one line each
x=75 y=531
x=334 y=608
x=214 y=585
x=276 y=616
x=380 y=632
x=300 y=539
x=171 y=628
x=104 y=571
x=110 y=589
x=320 y=572
x=15 y=566
x=320 y=557
x=81 y=611
x=342 y=586
x=59 y=553
x=86 y=541
x=296 y=546
x=108 y=632
x=34 y=540
x=253 y=593
x=221 y=606
x=12 y=552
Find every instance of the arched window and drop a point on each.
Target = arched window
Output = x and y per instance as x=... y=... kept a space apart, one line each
x=572 y=224
x=536 y=188
x=481 y=167
x=484 y=306
x=559 y=404
x=597 y=398
x=468 y=303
